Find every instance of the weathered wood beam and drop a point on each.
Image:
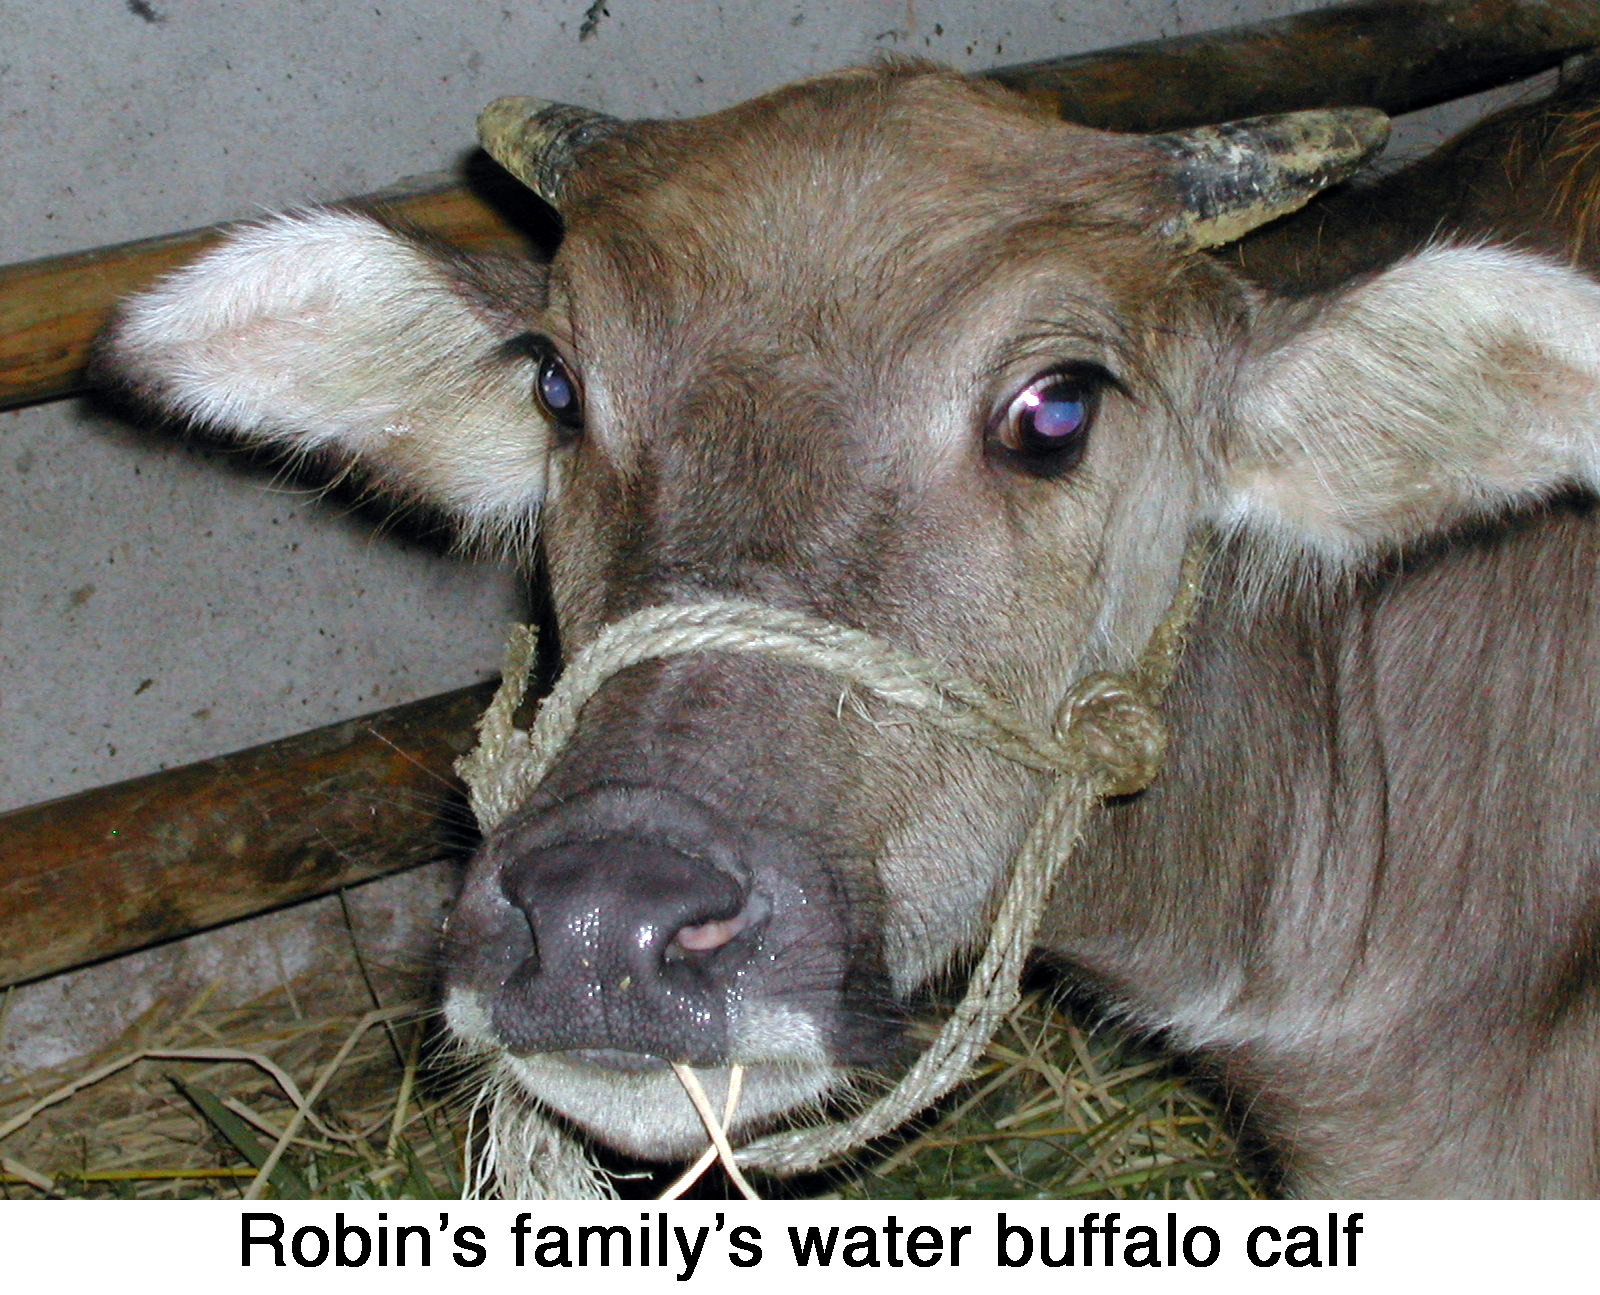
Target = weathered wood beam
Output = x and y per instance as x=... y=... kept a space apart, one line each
x=1393 y=54
x=1398 y=55
x=139 y=862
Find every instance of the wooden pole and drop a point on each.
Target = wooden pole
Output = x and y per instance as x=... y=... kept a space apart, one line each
x=138 y=862
x=1391 y=54
x=1398 y=55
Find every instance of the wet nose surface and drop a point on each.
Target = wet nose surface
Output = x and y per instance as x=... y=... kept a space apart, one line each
x=633 y=946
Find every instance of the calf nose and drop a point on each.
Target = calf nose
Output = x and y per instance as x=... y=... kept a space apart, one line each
x=636 y=947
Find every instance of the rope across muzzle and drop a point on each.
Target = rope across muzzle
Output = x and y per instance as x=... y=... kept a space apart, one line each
x=1108 y=739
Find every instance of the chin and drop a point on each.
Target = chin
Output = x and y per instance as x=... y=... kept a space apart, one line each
x=635 y=1104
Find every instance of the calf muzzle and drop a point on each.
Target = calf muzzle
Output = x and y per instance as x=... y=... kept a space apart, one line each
x=620 y=950
x=633 y=926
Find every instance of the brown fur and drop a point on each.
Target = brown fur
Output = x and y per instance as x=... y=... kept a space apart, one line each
x=1406 y=920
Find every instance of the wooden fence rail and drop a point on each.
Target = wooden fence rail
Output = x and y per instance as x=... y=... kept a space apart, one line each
x=142 y=861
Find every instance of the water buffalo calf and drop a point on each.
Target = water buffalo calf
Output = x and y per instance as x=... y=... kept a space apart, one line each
x=893 y=348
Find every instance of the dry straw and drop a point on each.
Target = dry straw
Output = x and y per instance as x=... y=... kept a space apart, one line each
x=319 y=1105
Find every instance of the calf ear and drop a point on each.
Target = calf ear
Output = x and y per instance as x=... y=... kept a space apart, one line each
x=331 y=332
x=1458 y=383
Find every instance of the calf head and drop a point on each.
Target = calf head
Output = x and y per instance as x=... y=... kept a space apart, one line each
x=892 y=348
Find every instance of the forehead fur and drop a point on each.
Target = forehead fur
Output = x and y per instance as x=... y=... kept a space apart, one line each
x=867 y=216
x=858 y=177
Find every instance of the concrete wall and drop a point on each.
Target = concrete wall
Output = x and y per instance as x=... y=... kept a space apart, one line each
x=159 y=601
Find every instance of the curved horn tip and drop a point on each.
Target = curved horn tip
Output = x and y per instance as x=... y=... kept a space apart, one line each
x=537 y=140
x=1369 y=125
x=1236 y=176
x=500 y=125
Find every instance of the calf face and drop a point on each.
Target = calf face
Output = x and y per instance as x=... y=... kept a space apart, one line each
x=889 y=348
x=893 y=432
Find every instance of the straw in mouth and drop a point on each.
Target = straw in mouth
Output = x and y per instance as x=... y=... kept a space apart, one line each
x=720 y=1148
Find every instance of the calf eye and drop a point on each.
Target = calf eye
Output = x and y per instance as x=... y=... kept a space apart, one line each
x=557 y=392
x=1045 y=427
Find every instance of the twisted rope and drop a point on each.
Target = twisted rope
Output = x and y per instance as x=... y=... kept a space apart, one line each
x=1108 y=739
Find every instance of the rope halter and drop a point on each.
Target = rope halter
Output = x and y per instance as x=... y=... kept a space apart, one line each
x=1108 y=739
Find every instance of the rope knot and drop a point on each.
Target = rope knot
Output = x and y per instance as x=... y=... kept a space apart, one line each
x=1115 y=726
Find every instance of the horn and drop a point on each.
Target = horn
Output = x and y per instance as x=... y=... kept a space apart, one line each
x=1233 y=177
x=538 y=141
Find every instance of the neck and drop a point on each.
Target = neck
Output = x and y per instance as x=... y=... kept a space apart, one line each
x=1370 y=852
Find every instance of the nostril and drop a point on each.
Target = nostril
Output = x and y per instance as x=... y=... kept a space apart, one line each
x=708 y=937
